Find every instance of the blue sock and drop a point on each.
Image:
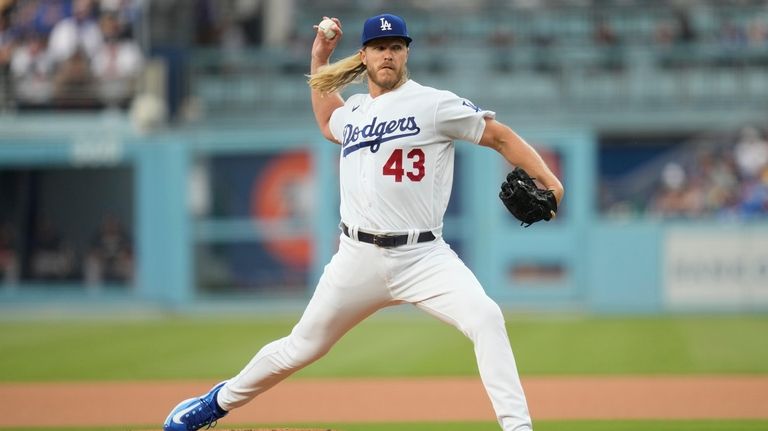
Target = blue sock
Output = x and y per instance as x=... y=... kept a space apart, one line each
x=216 y=405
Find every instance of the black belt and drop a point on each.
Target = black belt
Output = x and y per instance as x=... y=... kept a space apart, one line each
x=387 y=241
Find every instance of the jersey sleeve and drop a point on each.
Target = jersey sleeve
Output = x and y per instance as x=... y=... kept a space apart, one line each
x=459 y=119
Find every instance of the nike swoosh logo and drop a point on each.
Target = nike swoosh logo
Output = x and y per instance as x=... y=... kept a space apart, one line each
x=355 y=108
x=177 y=417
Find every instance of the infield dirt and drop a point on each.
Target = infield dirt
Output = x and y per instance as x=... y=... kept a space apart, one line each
x=392 y=400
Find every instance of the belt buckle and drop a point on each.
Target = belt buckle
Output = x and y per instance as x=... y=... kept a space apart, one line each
x=378 y=240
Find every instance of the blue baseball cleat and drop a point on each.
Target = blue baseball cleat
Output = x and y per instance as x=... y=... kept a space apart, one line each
x=195 y=413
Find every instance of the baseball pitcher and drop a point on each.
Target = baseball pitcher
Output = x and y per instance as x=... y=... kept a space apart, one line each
x=396 y=156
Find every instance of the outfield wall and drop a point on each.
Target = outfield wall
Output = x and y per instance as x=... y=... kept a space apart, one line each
x=249 y=215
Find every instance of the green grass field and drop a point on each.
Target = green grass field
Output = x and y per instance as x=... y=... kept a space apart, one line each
x=386 y=345
x=394 y=344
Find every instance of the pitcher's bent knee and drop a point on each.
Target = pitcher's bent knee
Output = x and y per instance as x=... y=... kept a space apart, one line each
x=485 y=317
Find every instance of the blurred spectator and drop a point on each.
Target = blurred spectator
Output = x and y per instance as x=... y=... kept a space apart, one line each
x=110 y=256
x=128 y=13
x=7 y=45
x=79 y=33
x=543 y=56
x=84 y=62
x=729 y=180
x=32 y=70
x=676 y=196
x=207 y=26
x=502 y=42
x=709 y=187
x=48 y=13
x=757 y=33
x=664 y=34
x=716 y=171
x=751 y=153
x=73 y=83
x=7 y=42
x=754 y=202
x=732 y=35
x=249 y=17
x=673 y=38
x=229 y=23
x=117 y=64
x=7 y=6
x=603 y=33
x=51 y=257
x=604 y=37
x=22 y=15
x=9 y=255
x=733 y=41
x=685 y=33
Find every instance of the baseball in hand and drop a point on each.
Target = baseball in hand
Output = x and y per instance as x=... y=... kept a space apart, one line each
x=326 y=26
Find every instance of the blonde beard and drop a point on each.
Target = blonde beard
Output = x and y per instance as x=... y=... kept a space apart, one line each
x=400 y=81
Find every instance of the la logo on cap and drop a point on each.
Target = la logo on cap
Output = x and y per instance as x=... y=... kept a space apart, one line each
x=382 y=25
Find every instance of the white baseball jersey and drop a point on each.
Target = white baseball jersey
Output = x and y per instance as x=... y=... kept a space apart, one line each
x=396 y=175
x=397 y=155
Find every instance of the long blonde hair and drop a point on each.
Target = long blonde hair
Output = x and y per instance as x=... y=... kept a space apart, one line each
x=335 y=76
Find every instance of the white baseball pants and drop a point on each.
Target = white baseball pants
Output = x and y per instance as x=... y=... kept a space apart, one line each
x=362 y=278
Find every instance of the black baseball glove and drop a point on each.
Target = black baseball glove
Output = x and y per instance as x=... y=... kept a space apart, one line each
x=525 y=200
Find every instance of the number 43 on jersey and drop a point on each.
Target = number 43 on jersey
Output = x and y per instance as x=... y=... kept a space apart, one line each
x=413 y=161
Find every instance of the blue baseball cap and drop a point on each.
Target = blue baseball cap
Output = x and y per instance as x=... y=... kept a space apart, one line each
x=384 y=25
